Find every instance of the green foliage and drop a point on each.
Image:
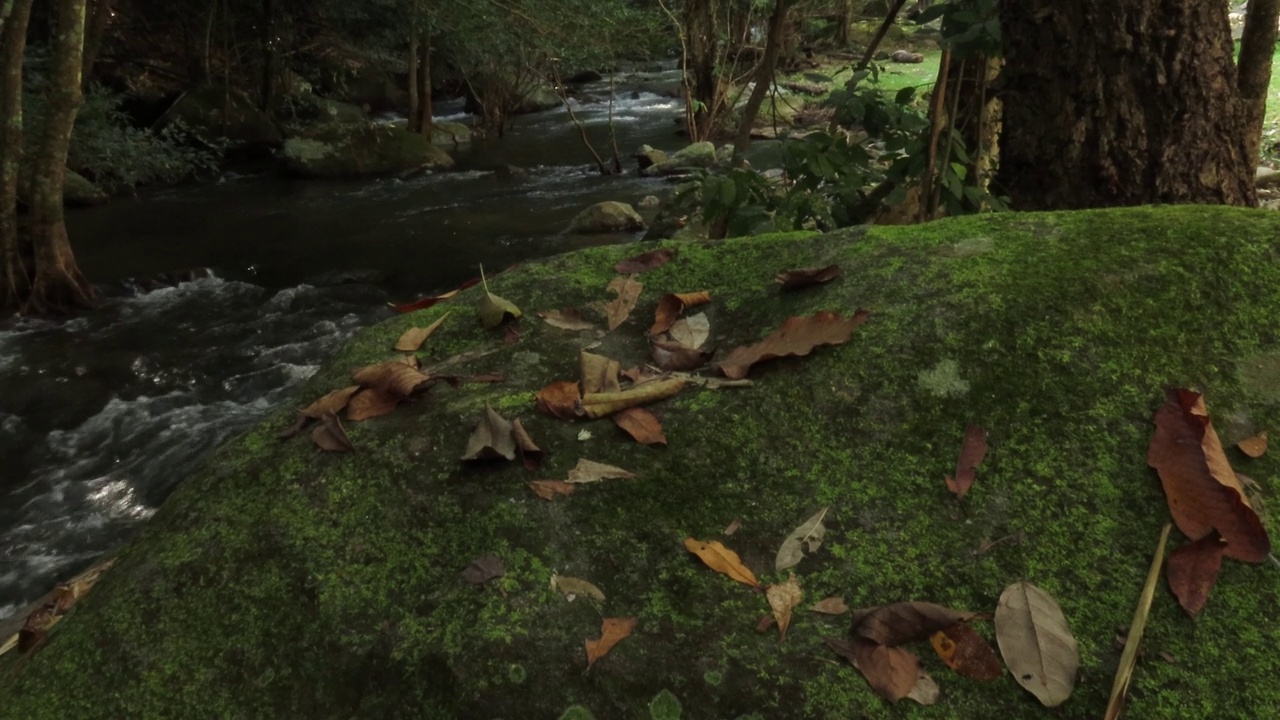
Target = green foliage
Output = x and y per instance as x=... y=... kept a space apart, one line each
x=968 y=26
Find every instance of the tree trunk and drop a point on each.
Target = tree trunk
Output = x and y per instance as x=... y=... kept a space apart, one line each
x=424 y=88
x=270 y=54
x=1257 y=46
x=415 y=114
x=700 y=66
x=1140 y=107
x=843 y=20
x=764 y=75
x=100 y=12
x=968 y=106
x=14 y=275
x=59 y=285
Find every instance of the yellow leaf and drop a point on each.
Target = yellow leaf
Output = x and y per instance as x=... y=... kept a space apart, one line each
x=783 y=598
x=576 y=586
x=602 y=404
x=413 y=338
x=722 y=560
x=612 y=631
x=493 y=309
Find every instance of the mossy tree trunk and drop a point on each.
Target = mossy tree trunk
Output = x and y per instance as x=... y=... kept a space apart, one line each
x=15 y=282
x=58 y=285
x=1139 y=106
x=1257 y=48
x=99 y=17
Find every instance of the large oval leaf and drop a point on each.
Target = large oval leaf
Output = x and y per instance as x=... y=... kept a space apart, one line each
x=1036 y=643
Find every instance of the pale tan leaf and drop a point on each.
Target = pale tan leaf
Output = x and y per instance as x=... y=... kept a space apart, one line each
x=671 y=306
x=567 y=319
x=549 y=489
x=599 y=405
x=692 y=331
x=493 y=438
x=733 y=527
x=722 y=560
x=806 y=538
x=393 y=377
x=783 y=599
x=830 y=606
x=589 y=471
x=612 y=631
x=370 y=403
x=1254 y=447
x=494 y=310
x=926 y=690
x=572 y=587
x=413 y=338
x=628 y=292
x=599 y=373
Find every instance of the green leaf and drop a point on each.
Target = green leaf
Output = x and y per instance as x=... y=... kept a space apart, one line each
x=904 y=95
x=493 y=310
x=932 y=13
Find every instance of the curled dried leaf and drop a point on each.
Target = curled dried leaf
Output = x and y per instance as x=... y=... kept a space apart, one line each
x=413 y=338
x=674 y=357
x=493 y=438
x=330 y=436
x=549 y=489
x=805 y=277
x=671 y=306
x=641 y=425
x=559 y=400
x=567 y=319
x=598 y=405
x=645 y=261
x=370 y=403
x=612 y=631
x=797 y=336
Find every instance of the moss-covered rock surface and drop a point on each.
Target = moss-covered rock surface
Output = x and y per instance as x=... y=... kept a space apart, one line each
x=360 y=150
x=281 y=581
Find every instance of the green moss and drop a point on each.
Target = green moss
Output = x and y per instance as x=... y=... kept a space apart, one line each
x=360 y=149
x=283 y=582
x=665 y=706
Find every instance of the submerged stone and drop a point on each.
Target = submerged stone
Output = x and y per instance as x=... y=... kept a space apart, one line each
x=282 y=582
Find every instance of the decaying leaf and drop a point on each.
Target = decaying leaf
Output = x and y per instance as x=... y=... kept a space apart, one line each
x=1129 y=658
x=413 y=338
x=1036 y=643
x=599 y=373
x=806 y=538
x=330 y=436
x=674 y=357
x=1254 y=447
x=567 y=319
x=27 y=632
x=589 y=471
x=572 y=587
x=393 y=378
x=369 y=403
x=765 y=622
x=331 y=404
x=691 y=332
x=904 y=622
x=426 y=302
x=612 y=631
x=1203 y=491
x=598 y=405
x=783 y=599
x=641 y=425
x=804 y=277
x=926 y=690
x=891 y=671
x=972 y=452
x=559 y=400
x=670 y=307
x=644 y=261
x=722 y=560
x=628 y=292
x=967 y=652
x=796 y=336
x=494 y=310
x=483 y=569
x=493 y=438
x=511 y=333
x=549 y=489
x=733 y=527
x=1193 y=571
x=830 y=606
x=531 y=455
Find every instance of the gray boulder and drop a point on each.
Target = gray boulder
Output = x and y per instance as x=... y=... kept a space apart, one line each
x=606 y=217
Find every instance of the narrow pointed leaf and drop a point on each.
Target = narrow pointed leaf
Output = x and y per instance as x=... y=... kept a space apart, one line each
x=413 y=338
x=722 y=560
x=1129 y=658
x=628 y=293
x=612 y=632
x=972 y=452
x=589 y=471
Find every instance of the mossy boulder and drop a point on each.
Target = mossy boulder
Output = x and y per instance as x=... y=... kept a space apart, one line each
x=279 y=581
x=698 y=155
x=360 y=150
x=450 y=133
x=211 y=111
x=77 y=190
x=609 y=216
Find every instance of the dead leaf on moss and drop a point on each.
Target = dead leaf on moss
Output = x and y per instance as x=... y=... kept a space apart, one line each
x=670 y=307
x=691 y=332
x=393 y=377
x=1193 y=571
x=549 y=489
x=830 y=606
x=572 y=587
x=330 y=436
x=733 y=527
x=567 y=319
x=413 y=338
x=531 y=455
x=674 y=357
x=612 y=631
x=905 y=622
x=806 y=277
x=589 y=471
x=1254 y=447
x=642 y=425
x=494 y=310
x=797 y=336
x=331 y=404
x=805 y=539
x=599 y=373
x=645 y=261
x=598 y=405
x=559 y=400
x=722 y=560
x=483 y=569
x=628 y=293
x=967 y=652
x=370 y=404
x=493 y=438
x=892 y=672
x=972 y=452
x=1036 y=643
x=783 y=599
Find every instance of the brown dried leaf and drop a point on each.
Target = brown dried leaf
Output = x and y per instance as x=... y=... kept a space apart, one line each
x=330 y=404
x=530 y=453
x=674 y=357
x=549 y=489
x=691 y=332
x=483 y=569
x=645 y=261
x=972 y=452
x=599 y=405
x=733 y=527
x=830 y=606
x=413 y=338
x=493 y=438
x=641 y=425
x=612 y=631
x=589 y=471
x=805 y=277
x=905 y=622
x=722 y=560
x=670 y=307
x=567 y=319
x=765 y=622
x=1254 y=447
x=599 y=373
x=559 y=400
x=370 y=404
x=783 y=599
x=628 y=292
x=392 y=377
x=967 y=652
x=892 y=672
x=1193 y=571
x=796 y=336
x=1203 y=491
x=572 y=587
x=330 y=436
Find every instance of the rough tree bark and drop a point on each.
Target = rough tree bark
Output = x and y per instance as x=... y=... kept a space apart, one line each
x=99 y=17
x=1257 y=46
x=763 y=76
x=1135 y=104
x=425 y=127
x=843 y=20
x=702 y=50
x=58 y=286
x=415 y=114
x=14 y=278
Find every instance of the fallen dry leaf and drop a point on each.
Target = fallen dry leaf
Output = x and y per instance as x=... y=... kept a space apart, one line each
x=733 y=527
x=641 y=425
x=691 y=332
x=926 y=690
x=393 y=377
x=599 y=405
x=765 y=622
x=674 y=357
x=530 y=454
x=972 y=452
x=494 y=310
x=806 y=538
x=511 y=333
x=330 y=436
x=967 y=652
x=670 y=307
x=370 y=403
x=904 y=622
x=567 y=319
x=783 y=599
x=25 y=633
x=804 y=277
x=599 y=373
x=1129 y=658
x=413 y=338
x=493 y=438
x=549 y=489
x=1036 y=643
x=612 y=631
x=331 y=404
x=426 y=302
x=572 y=587
x=644 y=261
x=483 y=569
x=796 y=336
x=1193 y=571
x=892 y=672
x=628 y=292
x=722 y=560
x=1204 y=493
x=559 y=400
x=830 y=606
x=1254 y=447
x=589 y=471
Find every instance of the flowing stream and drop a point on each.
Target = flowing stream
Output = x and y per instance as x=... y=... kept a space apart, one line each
x=101 y=417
